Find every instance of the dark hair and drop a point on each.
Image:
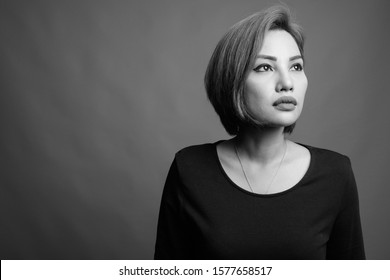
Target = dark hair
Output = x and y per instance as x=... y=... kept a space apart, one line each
x=232 y=60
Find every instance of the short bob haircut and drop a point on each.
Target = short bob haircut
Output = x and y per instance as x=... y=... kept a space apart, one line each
x=233 y=59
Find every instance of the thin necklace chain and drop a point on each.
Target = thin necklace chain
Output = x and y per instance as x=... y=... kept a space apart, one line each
x=274 y=176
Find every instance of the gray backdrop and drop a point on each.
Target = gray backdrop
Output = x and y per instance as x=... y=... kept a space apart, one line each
x=97 y=96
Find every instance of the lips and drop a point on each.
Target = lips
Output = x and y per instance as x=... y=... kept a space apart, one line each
x=285 y=100
x=285 y=103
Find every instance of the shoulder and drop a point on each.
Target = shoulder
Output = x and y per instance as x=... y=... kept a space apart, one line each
x=330 y=163
x=197 y=164
x=196 y=156
x=328 y=156
x=195 y=149
x=196 y=152
x=332 y=172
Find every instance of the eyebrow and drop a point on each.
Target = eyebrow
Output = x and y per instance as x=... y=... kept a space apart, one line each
x=269 y=57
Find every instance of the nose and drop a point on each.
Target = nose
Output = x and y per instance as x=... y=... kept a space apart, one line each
x=285 y=83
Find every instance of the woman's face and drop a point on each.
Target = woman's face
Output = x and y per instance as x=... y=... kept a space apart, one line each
x=276 y=86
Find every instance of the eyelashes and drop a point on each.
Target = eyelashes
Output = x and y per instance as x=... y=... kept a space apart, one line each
x=297 y=67
x=267 y=68
x=263 y=68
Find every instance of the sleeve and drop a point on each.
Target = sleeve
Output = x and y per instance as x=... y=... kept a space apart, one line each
x=171 y=242
x=346 y=239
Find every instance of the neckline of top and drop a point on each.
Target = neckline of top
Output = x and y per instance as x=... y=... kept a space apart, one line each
x=294 y=187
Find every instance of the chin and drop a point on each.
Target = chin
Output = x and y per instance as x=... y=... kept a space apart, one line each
x=281 y=122
x=288 y=119
x=272 y=120
x=271 y=124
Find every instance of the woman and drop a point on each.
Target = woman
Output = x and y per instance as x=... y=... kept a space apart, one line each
x=259 y=195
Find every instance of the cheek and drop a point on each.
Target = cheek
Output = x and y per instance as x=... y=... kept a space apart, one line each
x=255 y=101
x=306 y=83
x=302 y=87
x=256 y=90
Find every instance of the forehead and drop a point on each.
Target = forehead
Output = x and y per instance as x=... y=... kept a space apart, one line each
x=279 y=43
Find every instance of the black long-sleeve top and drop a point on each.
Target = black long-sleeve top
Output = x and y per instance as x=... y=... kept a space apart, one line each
x=205 y=215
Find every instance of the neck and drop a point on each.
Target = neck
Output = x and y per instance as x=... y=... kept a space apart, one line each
x=263 y=145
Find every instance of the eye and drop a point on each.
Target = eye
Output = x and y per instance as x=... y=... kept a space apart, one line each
x=263 y=68
x=297 y=67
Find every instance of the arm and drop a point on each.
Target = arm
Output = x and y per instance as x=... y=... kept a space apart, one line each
x=171 y=242
x=346 y=239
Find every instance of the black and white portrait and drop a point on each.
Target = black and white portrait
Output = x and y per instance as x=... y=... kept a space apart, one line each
x=194 y=129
